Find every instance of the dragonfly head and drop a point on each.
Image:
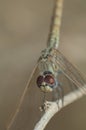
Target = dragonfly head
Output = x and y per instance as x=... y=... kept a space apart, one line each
x=46 y=81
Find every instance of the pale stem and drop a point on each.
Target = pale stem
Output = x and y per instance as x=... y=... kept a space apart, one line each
x=53 y=108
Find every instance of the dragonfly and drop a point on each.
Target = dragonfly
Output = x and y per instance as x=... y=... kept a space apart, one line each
x=52 y=63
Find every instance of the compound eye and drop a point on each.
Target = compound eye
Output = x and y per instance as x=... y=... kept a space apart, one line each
x=39 y=80
x=49 y=79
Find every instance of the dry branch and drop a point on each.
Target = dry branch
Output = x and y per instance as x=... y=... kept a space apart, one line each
x=53 y=108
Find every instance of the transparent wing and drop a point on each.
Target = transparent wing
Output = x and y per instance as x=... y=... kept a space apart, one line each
x=69 y=70
x=27 y=112
x=66 y=85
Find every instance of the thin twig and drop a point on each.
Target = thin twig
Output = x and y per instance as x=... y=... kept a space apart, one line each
x=53 y=108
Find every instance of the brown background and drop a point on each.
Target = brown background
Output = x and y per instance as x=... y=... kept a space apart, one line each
x=24 y=27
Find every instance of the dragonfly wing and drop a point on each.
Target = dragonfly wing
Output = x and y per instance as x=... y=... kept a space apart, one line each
x=27 y=104
x=65 y=85
x=70 y=71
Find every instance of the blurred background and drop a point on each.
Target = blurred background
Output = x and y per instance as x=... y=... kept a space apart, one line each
x=24 y=28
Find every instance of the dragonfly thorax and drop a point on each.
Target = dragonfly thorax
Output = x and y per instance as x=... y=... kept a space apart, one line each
x=46 y=81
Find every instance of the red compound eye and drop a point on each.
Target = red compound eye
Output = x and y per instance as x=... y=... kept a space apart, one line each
x=49 y=79
x=40 y=80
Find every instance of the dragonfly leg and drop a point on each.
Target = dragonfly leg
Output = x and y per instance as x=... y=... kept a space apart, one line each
x=58 y=93
x=56 y=96
x=61 y=93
